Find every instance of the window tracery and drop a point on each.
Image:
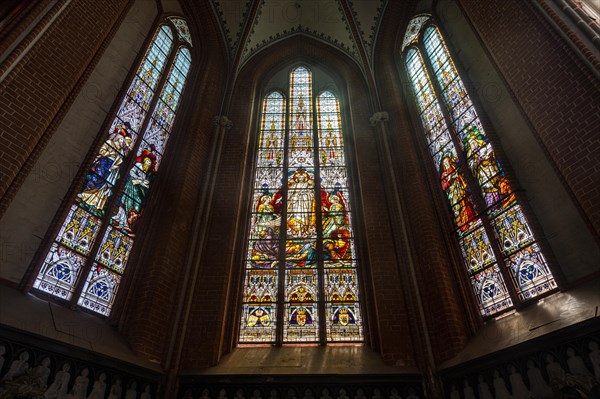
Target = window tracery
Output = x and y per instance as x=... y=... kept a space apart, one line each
x=301 y=281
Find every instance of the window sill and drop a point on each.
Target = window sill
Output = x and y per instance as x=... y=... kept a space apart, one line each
x=36 y=316
x=549 y=315
x=315 y=360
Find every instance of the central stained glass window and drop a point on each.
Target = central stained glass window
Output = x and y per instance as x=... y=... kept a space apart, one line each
x=301 y=283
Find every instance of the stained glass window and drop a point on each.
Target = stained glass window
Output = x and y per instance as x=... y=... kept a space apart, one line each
x=494 y=235
x=300 y=236
x=99 y=230
x=413 y=30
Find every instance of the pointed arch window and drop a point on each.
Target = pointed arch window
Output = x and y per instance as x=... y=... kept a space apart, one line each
x=85 y=261
x=502 y=256
x=301 y=283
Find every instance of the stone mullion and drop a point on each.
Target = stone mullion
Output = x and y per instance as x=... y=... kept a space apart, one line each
x=319 y=226
x=282 y=229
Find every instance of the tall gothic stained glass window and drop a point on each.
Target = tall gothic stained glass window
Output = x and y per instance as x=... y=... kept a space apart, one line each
x=301 y=283
x=502 y=257
x=87 y=258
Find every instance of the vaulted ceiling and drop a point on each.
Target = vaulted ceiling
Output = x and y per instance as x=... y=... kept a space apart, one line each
x=251 y=25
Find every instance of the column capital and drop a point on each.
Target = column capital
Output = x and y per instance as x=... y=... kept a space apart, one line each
x=379 y=117
x=223 y=121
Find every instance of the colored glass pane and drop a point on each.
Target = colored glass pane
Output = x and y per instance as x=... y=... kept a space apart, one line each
x=105 y=171
x=100 y=290
x=79 y=230
x=130 y=117
x=413 y=30
x=301 y=253
x=491 y=292
x=531 y=273
x=269 y=179
x=258 y=322
x=59 y=272
x=344 y=322
x=262 y=286
x=301 y=322
x=182 y=29
x=272 y=132
x=130 y=204
x=302 y=158
x=301 y=285
x=287 y=202
x=477 y=253
x=511 y=231
x=70 y=255
x=114 y=250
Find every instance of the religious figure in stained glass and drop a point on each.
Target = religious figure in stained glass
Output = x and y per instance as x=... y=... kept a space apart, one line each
x=70 y=255
x=265 y=211
x=337 y=247
x=285 y=184
x=271 y=141
x=515 y=249
x=103 y=175
x=456 y=190
x=335 y=219
x=265 y=249
x=494 y=185
x=302 y=254
x=301 y=204
x=136 y=190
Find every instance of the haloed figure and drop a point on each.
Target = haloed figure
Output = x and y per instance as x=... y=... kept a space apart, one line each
x=136 y=190
x=97 y=187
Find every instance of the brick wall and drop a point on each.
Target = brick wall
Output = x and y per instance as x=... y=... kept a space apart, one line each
x=559 y=96
x=37 y=91
x=18 y=25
